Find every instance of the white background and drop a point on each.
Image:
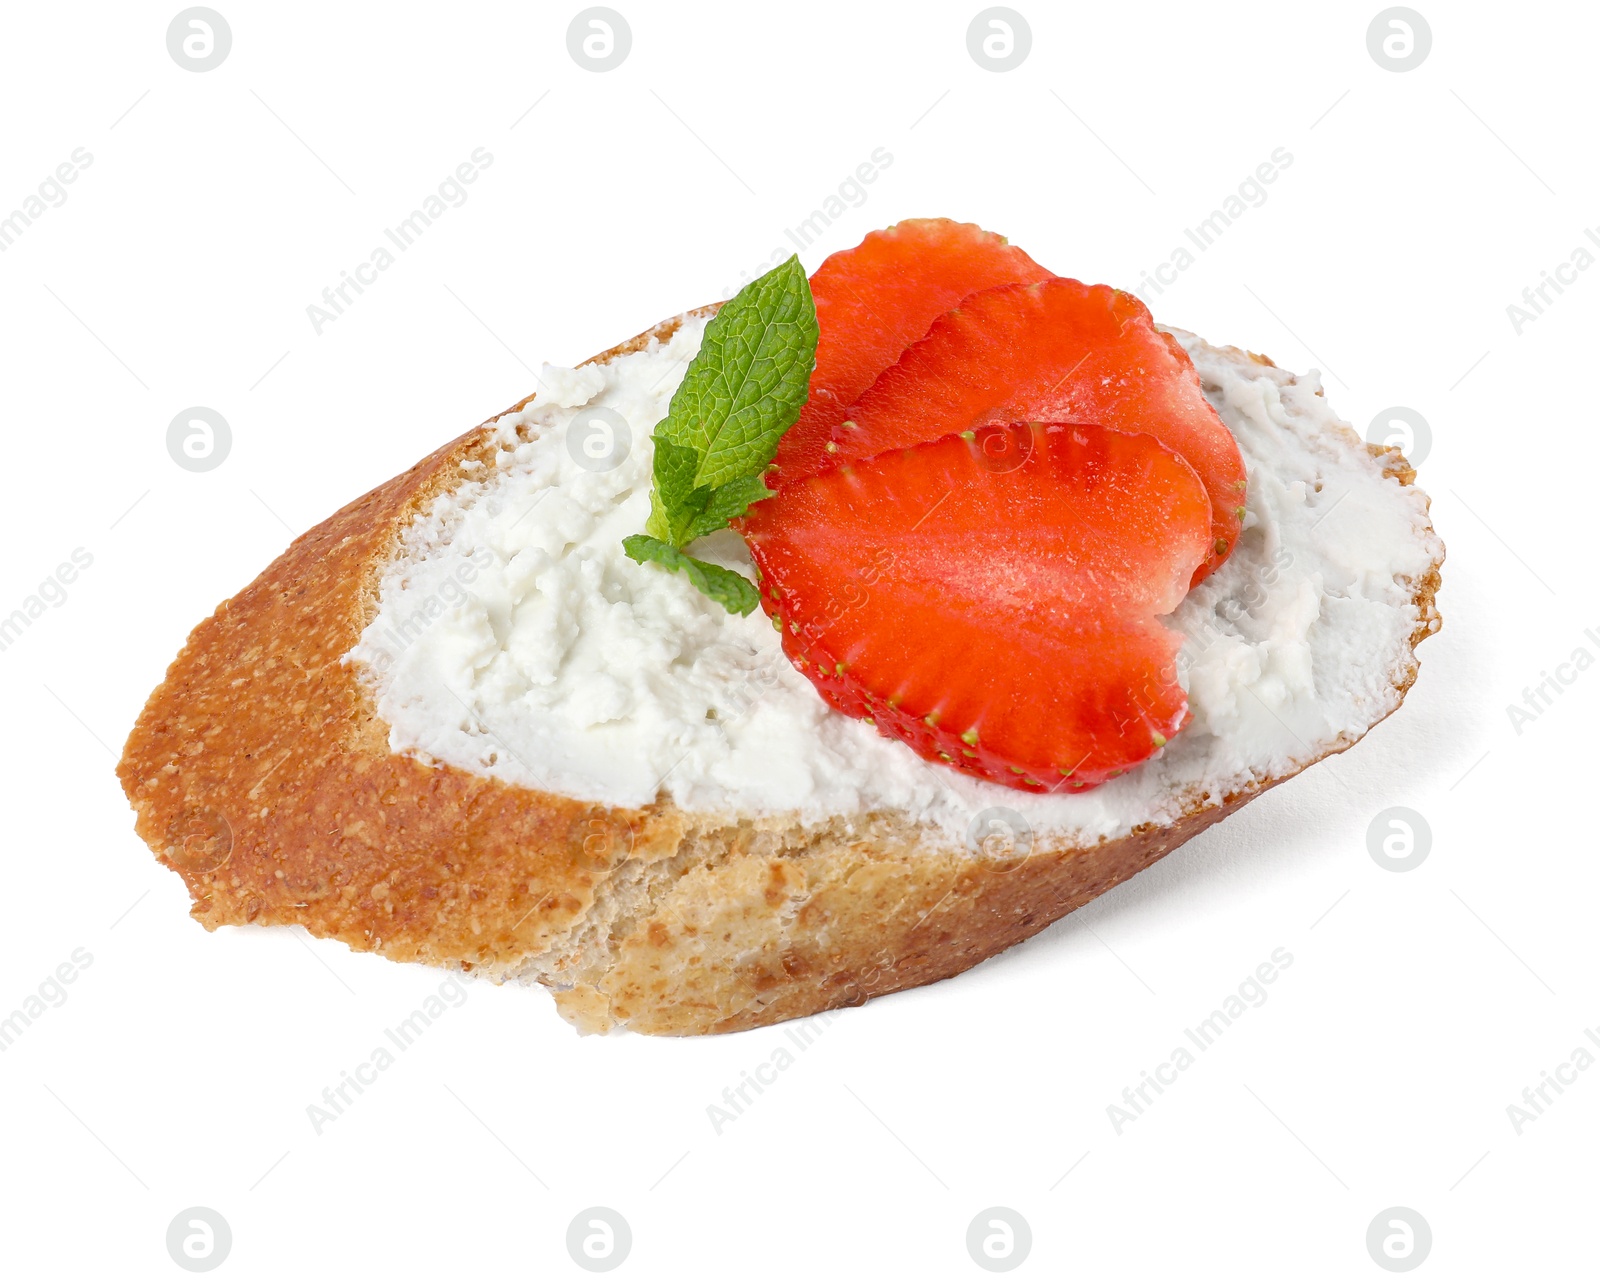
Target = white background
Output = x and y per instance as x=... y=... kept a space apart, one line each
x=178 y=272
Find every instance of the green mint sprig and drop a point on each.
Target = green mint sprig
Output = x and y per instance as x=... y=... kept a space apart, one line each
x=742 y=391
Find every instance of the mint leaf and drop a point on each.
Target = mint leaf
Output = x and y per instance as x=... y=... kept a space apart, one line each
x=731 y=590
x=727 y=504
x=674 y=502
x=742 y=391
x=680 y=512
x=747 y=384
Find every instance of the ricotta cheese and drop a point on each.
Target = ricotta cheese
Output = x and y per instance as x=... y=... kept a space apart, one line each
x=514 y=639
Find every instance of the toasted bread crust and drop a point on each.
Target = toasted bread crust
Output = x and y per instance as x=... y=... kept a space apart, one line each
x=260 y=772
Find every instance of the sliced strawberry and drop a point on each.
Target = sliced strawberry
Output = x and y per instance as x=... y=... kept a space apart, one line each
x=876 y=299
x=1062 y=351
x=993 y=601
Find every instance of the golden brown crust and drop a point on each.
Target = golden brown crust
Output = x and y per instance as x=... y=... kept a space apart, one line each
x=745 y=941
x=259 y=771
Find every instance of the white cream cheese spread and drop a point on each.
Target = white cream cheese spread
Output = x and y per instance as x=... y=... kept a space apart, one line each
x=514 y=639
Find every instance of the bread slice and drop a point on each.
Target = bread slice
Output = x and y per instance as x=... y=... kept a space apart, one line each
x=261 y=771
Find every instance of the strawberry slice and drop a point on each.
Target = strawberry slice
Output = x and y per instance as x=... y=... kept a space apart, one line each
x=876 y=299
x=993 y=601
x=1061 y=351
